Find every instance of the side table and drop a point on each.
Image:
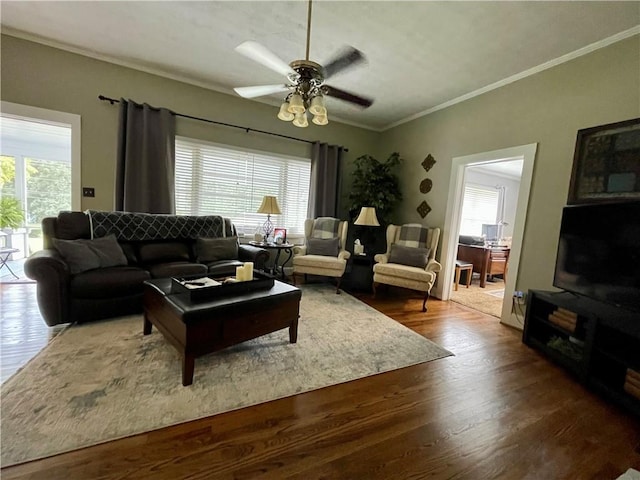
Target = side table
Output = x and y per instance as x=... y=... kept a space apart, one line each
x=286 y=247
x=359 y=274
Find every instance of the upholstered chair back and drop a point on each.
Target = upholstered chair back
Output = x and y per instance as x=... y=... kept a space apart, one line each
x=431 y=242
x=342 y=231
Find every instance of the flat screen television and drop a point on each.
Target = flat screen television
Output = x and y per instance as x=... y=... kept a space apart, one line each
x=599 y=253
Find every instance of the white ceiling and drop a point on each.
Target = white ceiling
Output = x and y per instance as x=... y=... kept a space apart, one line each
x=421 y=55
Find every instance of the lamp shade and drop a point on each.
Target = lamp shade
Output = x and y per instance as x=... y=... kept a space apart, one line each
x=367 y=217
x=320 y=119
x=284 y=114
x=296 y=104
x=300 y=120
x=317 y=105
x=269 y=205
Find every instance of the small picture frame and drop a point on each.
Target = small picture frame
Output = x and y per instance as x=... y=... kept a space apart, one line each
x=606 y=164
x=280 y=233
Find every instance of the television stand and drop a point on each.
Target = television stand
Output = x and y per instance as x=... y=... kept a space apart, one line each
x=597 y=342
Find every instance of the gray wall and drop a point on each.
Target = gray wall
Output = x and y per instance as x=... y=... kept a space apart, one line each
x=41 y=76
x=547 y=108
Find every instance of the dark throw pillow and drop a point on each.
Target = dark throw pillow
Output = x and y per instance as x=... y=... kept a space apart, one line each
x=410 y=256
x=214 y=249
x=329 y=247
x=82 y=255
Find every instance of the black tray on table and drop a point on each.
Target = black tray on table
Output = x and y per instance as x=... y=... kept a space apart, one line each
x=261 y=281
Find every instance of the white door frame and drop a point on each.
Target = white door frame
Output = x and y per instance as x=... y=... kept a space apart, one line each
x=28 y=112
x=454 y=210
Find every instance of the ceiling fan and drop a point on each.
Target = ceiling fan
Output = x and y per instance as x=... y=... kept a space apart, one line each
x=305 y=81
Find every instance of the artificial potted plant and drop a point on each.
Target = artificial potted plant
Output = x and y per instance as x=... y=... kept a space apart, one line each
x=375 y=185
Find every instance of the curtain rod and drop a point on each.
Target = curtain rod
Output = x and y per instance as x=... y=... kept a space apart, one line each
x=247 y=129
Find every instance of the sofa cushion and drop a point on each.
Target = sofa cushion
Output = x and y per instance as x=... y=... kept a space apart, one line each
x=215 y=249
x=162 y=252
x=224 y=267
x=410 y=256
x=323 y=246
x=176 y=269
x=82 y=255
x=72 y=225
x=111 y=282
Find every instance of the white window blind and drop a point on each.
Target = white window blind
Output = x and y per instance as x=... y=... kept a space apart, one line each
x=480 y=205
x=213 y=179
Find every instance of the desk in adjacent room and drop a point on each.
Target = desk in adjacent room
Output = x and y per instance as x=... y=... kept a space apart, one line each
x=485 y=260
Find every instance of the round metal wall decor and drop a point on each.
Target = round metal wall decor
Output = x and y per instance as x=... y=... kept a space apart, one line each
x=426 y=185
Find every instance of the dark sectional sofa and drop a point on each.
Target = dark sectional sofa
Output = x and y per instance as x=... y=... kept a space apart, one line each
x=165 y=249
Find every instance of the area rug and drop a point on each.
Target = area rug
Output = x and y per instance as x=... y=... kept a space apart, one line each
x=486 y=300
x=105 y=380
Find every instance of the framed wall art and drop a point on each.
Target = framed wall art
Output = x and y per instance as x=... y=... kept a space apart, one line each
x=606 y=163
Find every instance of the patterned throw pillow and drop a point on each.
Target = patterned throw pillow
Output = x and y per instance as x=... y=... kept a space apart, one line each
x=325 y=227
x=410 y=256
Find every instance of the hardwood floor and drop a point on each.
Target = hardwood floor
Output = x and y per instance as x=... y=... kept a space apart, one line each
x=496 y=410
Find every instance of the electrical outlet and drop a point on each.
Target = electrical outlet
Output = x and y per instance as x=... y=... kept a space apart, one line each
x=88 y=192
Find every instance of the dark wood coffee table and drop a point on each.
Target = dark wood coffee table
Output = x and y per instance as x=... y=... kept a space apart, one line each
x=198 y=328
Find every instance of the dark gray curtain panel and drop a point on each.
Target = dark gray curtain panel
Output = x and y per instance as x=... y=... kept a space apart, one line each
x=145 y=169
x=325 y=180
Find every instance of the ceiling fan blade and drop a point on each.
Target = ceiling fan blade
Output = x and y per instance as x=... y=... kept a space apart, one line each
x=347 y=96
x=260 y=90
x=264 y=56
x=348 y=57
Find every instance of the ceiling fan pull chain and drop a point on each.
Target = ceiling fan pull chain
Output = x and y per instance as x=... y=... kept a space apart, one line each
x=308 y=29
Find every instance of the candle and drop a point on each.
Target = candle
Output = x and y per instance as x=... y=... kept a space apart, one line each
x=248 y=270
x=240 y=273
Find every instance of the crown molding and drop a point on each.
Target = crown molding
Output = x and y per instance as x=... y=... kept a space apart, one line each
x=519 y=76
x=152 y=70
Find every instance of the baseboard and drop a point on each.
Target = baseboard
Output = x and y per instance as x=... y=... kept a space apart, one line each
x=514 y=321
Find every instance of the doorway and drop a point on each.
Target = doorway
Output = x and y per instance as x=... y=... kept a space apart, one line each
x=525 y=154
x=489 y=199
x=40 y=164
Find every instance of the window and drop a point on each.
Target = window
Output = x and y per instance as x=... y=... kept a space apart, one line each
x=214 y=179
x=36 y=167
x=480 y=205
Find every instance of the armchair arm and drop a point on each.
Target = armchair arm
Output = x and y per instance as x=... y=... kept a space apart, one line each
x=299 y=250
x=257 y=255
x=433 y=266
x=344 y=255
x=51 y=273
x=381 y=258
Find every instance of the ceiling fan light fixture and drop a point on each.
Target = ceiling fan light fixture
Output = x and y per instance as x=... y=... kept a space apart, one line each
x=296 y=104
x=320 y=119
x=284 y=114
x=300 y=120
x=317 y=106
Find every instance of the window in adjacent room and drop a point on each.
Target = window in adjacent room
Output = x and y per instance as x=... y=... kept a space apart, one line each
x=214 y=179
x=479 y=206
